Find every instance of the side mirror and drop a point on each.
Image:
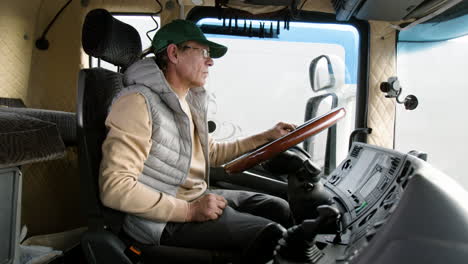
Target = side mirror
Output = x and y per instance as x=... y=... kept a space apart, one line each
x=321 y=73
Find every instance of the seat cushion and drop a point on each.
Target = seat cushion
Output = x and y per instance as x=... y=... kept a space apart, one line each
x=24 y=139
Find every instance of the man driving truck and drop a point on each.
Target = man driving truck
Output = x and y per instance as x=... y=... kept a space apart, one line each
x=157 y=155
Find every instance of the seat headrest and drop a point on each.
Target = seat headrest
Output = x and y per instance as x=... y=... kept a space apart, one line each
x=109 y=39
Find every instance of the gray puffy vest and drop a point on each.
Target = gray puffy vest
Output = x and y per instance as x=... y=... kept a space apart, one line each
x=169 y=158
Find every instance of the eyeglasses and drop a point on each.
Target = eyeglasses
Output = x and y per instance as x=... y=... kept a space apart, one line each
x=204 y=52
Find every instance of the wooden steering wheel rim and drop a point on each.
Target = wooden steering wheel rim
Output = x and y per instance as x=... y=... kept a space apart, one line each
x=301 y=133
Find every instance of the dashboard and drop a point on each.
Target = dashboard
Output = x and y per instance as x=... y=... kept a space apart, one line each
x=393 y=208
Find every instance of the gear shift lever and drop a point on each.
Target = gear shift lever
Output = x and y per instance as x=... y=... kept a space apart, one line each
x=298 y=243
x=306 y=192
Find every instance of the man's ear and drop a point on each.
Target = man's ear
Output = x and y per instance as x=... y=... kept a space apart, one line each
x=172 y=53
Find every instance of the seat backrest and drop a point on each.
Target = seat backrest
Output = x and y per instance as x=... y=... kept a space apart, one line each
x=109 y=39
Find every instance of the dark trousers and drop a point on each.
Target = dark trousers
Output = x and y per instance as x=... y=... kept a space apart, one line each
x=242 y=220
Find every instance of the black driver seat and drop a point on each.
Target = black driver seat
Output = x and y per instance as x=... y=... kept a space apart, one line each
x=109 y=39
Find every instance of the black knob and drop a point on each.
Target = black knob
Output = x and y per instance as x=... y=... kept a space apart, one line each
x=385 y=87
x=411 y=102
x=211 y=126
x=42 y=43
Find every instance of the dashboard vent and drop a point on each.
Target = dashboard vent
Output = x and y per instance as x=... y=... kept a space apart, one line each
x=406 y=173
x=395 y=162
x=355 y=152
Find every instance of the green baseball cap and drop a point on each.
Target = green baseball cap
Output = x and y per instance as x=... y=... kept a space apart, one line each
x=179 y=31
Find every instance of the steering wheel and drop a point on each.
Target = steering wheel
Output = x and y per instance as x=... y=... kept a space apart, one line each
x=301 y=133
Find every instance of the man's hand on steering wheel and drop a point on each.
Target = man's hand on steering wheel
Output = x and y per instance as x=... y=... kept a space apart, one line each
x=284 y=139
x=278 y=131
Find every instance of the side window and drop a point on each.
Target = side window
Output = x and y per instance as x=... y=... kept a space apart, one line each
x=436 y=73
x=266 y=79
x=144 y=24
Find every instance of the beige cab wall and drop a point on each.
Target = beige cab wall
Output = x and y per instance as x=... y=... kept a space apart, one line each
x=17 y=27
x=382 y=64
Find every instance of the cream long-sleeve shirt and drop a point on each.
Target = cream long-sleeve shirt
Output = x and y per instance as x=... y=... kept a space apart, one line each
x=127 y=147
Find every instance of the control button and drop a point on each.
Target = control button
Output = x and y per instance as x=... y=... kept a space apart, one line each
x=356 y=199
x=334 y=179
x=346 y=165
